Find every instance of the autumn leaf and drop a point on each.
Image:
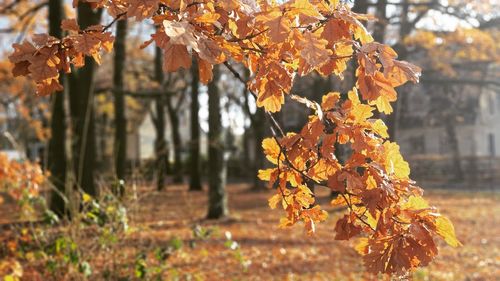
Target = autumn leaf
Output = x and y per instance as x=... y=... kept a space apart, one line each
x=181 y=33
x=394 y=162
x=48 y=87
x=379 y=127
x=275 y=200
x=22 y=52
x=271 y=149
x=305 y=8
x=270 y=95
x=44 y=40
x=314 y=51
x=175 y=57
x=210 y=51
x=415 y=203
x=205 y=71
x=142 y=9
x=209 y=18
x=70 y=25
x=86 y=43
x=361 y=112
x=445 y=229
x=277 y=24
x=44 y=65
x=267 y=174
x=402 y=72
x=335 y=30
x=345 y=228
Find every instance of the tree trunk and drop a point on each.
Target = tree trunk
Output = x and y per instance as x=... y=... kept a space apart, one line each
x=56 y=151
x=217 y=197
x=454 y=148
x=176 y=139
x=360 y=6
x=381 y=23
x=258 y=127
x=392 y=121
x=120 y=145
x=194 y=152
x=81 y=93
x=160 y=143
x=246 y=159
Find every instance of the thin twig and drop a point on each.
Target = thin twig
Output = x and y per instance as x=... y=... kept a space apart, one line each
x=106 y=27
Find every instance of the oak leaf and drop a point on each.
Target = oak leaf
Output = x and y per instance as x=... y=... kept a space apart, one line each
x=142 y=9
x=445 y=229
x=175 y=57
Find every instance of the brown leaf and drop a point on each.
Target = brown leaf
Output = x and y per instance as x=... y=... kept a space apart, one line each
x=175 y=57
x=142 y=9
x=346 y=229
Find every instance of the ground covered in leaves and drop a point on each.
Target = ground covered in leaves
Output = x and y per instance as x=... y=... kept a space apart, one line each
x=249 y=245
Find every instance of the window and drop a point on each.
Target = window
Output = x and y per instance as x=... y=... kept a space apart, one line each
x=491 y=104
x=491 y=144
x=444 y=144
x=417 y=145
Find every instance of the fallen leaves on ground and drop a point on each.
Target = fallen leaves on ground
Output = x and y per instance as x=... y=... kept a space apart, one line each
x=277 y=254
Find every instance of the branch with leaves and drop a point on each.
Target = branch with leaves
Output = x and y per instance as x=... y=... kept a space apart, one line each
x=278 y=42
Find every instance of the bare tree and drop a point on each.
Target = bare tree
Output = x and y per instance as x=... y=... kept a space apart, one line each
x=81 y=97
x=194 y=152
x=217 y=197
x=161 y=149
x=57 y=152
x=120 y=143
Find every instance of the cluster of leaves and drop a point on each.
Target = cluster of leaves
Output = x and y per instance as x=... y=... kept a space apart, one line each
x=47 y=56
x=462 y=46
x=31 y=110
x=21 y=180
x=278 y=41
x=373 y=183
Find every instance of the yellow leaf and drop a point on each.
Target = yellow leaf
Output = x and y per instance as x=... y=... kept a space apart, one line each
x=274 y=200
x=271 y=149
x=304 y=7
x=338 y=201
x=304 y=196
x=416 y=203
x=372 y=221
x=265 y=175
x=383 y=105
x=361 y=112
x=380 y=128
x=362 y=246
x=394 y=162
x=86 y=198
x=285 y=222
x=10 y=278
x=445 y=229
x=208 y=18
x=353 y=96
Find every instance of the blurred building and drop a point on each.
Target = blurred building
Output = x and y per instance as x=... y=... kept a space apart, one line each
x=449 y=128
